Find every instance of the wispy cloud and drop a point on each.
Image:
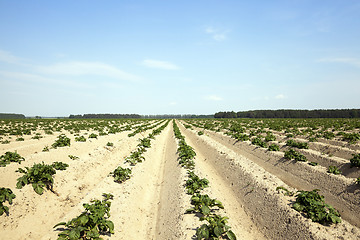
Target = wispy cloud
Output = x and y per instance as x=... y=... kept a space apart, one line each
x=8 y=57
x=160 y=64
x=213 y=98
x=217 y=35
x=280 y=96
x=27 y=77
x=351 y=61
x=75 y=68
x=172 y=103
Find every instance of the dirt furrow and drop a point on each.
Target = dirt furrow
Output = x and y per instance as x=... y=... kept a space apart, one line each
x=255 y=188
x=339 y=191
x=220 y=188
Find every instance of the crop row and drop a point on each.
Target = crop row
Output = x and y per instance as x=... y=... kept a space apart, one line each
x=202 y=204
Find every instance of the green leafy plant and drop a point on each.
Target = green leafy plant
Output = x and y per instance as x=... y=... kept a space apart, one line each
x=270 y=137
x=215 y=229
x=352 y=138
x=110 y=144
x=355 y=160
x=62 y=141
x=200 y=133
x=5 y=195
x=93 y=135
x=80 y=139
x=313 y=163
x=300 y=145
x=134 y=158
x=20 y=139
x=195 y=184
x=9 y=157
x=72 y=157
x=358 y=180
x=274 y=147
x=312 y=204
x=37 y=137
x=257 y=141
x=241 y=136
x=40 y=175
x=46 y=149
x=292 y=154
x=145 y=143
x=121 y=174
x=203 y=204
x=60 y=165
x=333 y=170
x=90 y=224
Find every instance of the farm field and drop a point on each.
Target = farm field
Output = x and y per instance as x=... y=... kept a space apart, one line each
x=173 y=174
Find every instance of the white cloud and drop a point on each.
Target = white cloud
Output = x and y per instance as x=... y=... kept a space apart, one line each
x=280 y=96
x=8 y=57
x=172 y=103
x=27 y=77
x=86 y=68
x=213 y=98
x=217 y=35
x=159 y=64
x=210 y=30
x=352 y=61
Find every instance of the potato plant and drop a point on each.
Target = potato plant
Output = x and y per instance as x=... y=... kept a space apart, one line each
x=355 y=160
x=62 y=141
x=215 y=229
x=73 y=157
x=40 y=176
x=294 y=155
x=59 y=165
x=203 y=204
x=274 y=147
x=80 y=139
x=9 y=157
x=333 y=170
x=195 y=184
x=121 y=174
x=258 y=142
x=312 y=204
x=300 y=145
x=5 y=195
x=90 y=224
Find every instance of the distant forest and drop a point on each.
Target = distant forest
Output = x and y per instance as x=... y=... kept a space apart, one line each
x=177 y=116
x=113 y=116
x=11 y=116
x=105 y=116
x=283 y=113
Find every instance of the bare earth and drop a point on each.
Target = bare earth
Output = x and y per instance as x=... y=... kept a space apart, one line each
x=152 y=203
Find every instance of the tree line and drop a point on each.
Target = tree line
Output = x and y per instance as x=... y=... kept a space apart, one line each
x=11 y=116
x=176 y=116
x=104 y=116
x=289 y=113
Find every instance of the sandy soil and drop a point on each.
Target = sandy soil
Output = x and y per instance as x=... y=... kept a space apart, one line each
x=152 y=203
x=254 y=173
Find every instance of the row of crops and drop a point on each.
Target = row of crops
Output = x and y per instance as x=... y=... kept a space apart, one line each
x=335 y=139
x=94 y=220
x=326 y=151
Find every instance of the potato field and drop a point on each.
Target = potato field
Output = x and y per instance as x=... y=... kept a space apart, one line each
x=180 y=179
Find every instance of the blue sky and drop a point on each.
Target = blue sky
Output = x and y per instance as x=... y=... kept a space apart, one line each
x=175 y=57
